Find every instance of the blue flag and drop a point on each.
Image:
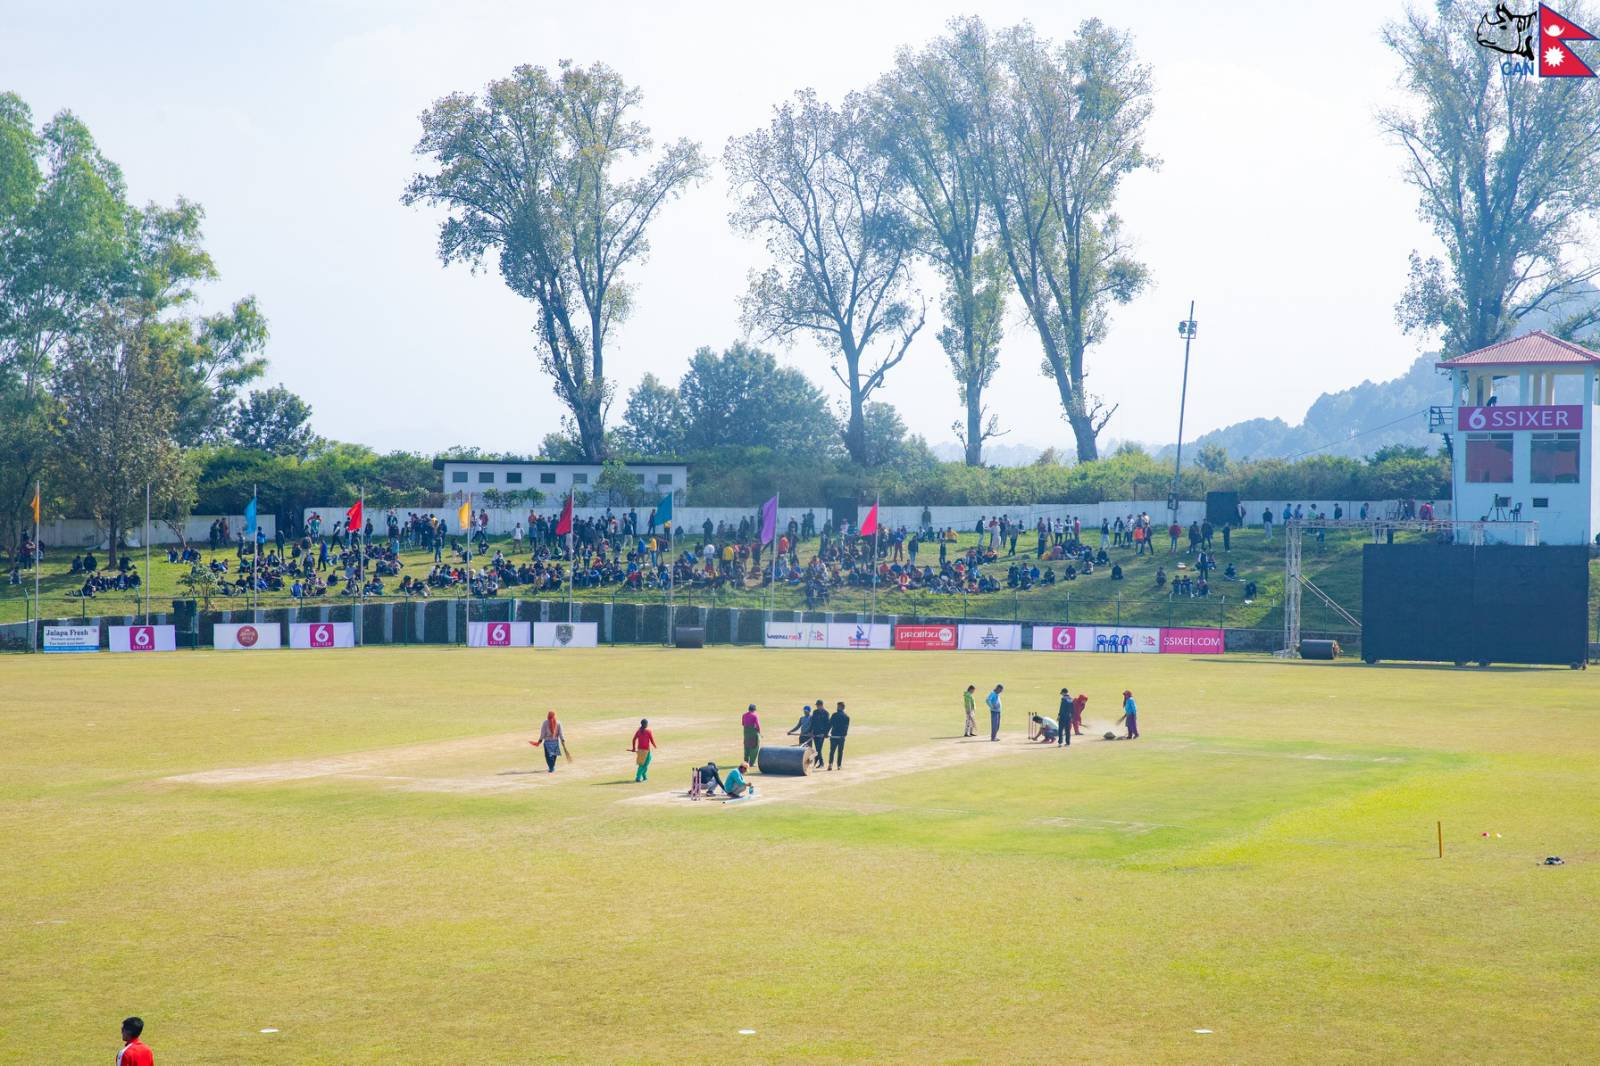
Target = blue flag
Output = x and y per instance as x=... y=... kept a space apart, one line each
x=250 y=517
x=664 y=510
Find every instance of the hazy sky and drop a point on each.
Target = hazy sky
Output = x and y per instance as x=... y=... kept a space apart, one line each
x=1279 y=207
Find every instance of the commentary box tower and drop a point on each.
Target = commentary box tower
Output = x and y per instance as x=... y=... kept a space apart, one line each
x=1522 y=418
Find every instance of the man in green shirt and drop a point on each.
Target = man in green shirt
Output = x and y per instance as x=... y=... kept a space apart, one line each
x=969 y=701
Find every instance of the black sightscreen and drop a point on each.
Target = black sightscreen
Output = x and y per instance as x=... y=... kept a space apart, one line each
x=1499 y=603
x=1222 y=508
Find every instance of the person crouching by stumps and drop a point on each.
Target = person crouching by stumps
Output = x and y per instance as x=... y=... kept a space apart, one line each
x=820 y=724
x=752 y=734
x=553 y=740
x=1130 y=714
x=838 y=729
x=969 y=703
x=735 y=784
x=644 y=747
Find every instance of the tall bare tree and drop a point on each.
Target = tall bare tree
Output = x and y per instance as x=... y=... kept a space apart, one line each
x=814 y=185
x=1506 y=176
x=1066 y=126
x=532 y=169
x=929 y=106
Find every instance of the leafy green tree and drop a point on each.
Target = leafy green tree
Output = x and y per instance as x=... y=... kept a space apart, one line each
x=1391 y=452
x=617 y=486
x=743 y=398
x=537 y=170
x=1212 y=458
x=653 y=422
x=1067 y=125
x=274 y=420
x=72 y=246
x=928 y=108
x=815 y=187
x=889 y=445
x=219 y=356
x=1505 y=175
x=119 y=387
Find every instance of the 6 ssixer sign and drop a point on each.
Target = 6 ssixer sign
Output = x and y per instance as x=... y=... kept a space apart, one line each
x=1540 y=38
x=1557 y=417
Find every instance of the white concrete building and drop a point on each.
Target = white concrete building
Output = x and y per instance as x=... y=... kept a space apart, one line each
x=554 y=480
x=1522 y=420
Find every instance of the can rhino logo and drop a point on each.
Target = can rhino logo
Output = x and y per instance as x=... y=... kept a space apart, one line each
x=247 y=636
x=564 y=632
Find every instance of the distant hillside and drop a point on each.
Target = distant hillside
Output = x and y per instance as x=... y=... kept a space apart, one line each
x=993 y=454
x=1358 y=421
x=1354 y=422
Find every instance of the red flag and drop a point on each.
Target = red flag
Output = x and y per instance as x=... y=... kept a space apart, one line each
x=564 y=527
x=352 y=517
x=869 y=524
x=1556 y=60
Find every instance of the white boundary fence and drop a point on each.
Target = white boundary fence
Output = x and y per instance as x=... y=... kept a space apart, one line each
x=691 y=520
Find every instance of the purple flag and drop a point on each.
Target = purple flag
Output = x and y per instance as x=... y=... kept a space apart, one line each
x=769 y=520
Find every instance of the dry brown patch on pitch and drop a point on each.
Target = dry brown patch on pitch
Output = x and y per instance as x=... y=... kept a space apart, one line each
x=862 y=770
x=371 y=765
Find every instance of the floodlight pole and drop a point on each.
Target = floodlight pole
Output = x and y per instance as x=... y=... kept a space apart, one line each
x=1186 y=329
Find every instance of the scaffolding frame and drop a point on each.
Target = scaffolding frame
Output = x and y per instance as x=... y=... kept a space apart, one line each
x=1381 y=529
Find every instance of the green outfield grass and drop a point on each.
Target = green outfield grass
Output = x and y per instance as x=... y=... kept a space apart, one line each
x=348 y=847
x=1335 y=566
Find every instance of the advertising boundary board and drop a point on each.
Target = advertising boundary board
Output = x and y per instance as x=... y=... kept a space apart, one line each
x=566 y=634
x=859 y=636
x=1063 y=638
x=1006 y=637
x=1141 y=640
x=795 y=635
x=85 y=637
x=1145 y=640
x=246 y=636
x=925 y=637
x=499 y=634
x=1191 y=641
x=142 y=638
x=319 y=635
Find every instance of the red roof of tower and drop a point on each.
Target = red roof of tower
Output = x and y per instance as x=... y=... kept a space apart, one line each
x=1531 y=349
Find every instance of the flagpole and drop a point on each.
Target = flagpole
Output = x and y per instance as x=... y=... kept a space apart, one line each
x=572 y=554
x=877 y=524
x=146 y=581
x=470 y=518
x=38 y=550
x=772 y=588
x=255 y=556
x=672 y=565
x=361 y=565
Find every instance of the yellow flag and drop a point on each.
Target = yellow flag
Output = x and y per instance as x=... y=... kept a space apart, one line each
x=464 y=516
x=35 y=504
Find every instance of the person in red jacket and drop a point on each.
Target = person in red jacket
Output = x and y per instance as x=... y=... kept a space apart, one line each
x=134 y=1051
x=1078 y=705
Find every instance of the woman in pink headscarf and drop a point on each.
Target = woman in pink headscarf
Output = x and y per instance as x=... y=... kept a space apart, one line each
x=553 y=740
